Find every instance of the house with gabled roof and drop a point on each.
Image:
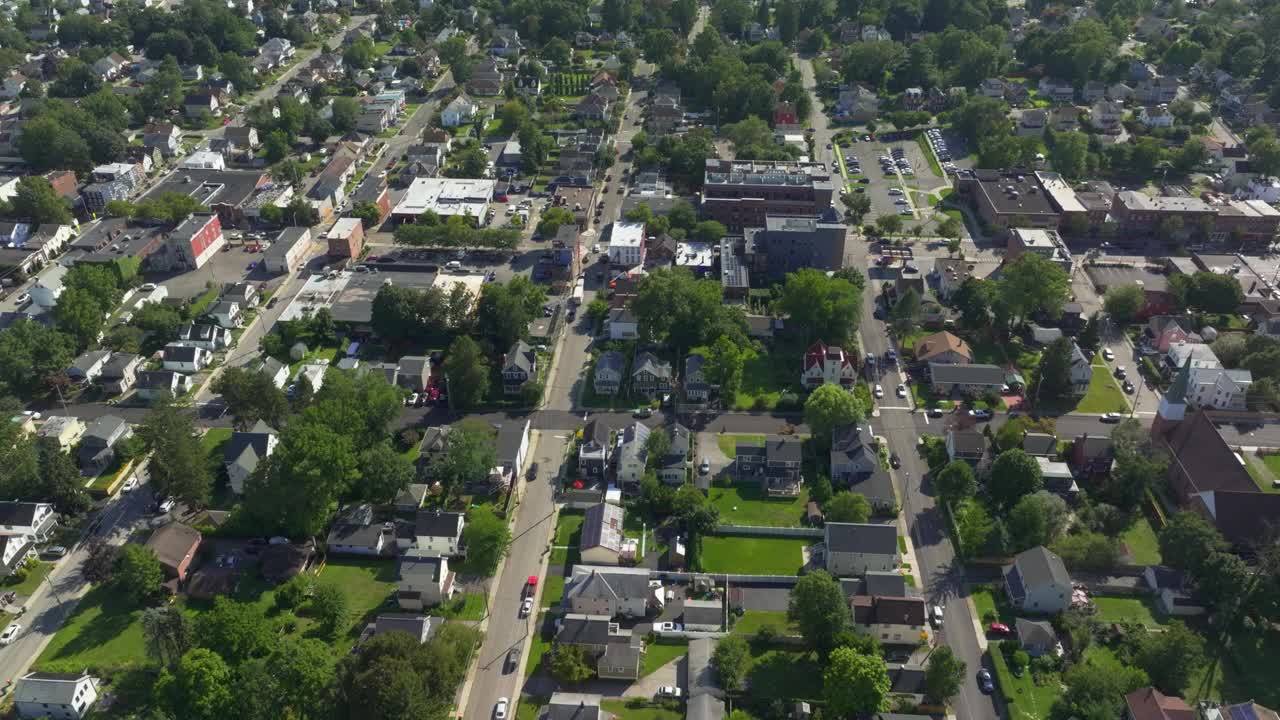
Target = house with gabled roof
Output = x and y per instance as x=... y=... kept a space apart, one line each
x=608 y=591
x=650 y=374
x=245 y=450
x=1038 y=582
x=856 y=548
x=827 y=364
x=519 y=366
x=67 y=696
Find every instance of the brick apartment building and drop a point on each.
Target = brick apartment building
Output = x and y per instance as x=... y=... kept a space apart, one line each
x=744 y=193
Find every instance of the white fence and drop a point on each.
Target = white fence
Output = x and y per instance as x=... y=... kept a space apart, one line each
x=770 y=531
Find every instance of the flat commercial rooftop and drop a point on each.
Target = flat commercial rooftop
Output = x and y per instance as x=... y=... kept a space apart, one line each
x=1108 y=276
x=446 y=196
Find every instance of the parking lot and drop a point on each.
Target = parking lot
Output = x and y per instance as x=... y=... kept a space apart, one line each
x=227 y=266
x=895 y=175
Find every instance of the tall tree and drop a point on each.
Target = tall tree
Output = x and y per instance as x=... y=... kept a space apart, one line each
x=179 y=466
x=468 y=459
x=955 y=481
x=847 y=507
x=829 y=407
x=725 y=363
x=1014 y=474
x=138 y=574
x=468 y=373
x=943 y=674
x=731 y=660
x=826 y=308
x=251 y=396
x=855 y=684
x=199 y=687
x=1187 y=542
x=383 y=473
x=487 y=538
x=905 y=314
x=1124 y=302
x=1054 y=371
x=818 y=609
x=294 y=490
x=330 y=605
x=295 y=681
x=1032 y=284
x=168 y=634
x=1171 y=658
x=36 y=202
x=234 y=630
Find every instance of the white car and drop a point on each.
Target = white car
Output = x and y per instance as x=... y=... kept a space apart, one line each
x=500 y=710
x=669 y=691
x=526 y=607
x=879 y=392
x=895 y=191
x=1107 y=354
x=671 y=627
x=937 y=616
x=10 y=633
x=129 y=485
x=411 y=400
x=902 y=390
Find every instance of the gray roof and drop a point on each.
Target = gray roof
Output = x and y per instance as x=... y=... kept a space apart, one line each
x=48 y=688
x=885 y=584
x=181 y=353
x=354 y=535
x=105 y=427
x=702 y=678
x=595 y=433
x=599 y=582
x=421 y=627
x=876 y=487
x=602 y=527
x=433 y=523
x=679 y=452
x=574 y=706
x=1040 y=444
x=519 y=357
x=1039 y=566
x=579 y=629
x=115 y=367
x=862 y=538
x=510 y=436
x=89 y=360
x=1035 y=632
x=968 y=441
x=907 y=679
x=967 y=374
x=414 y=366
x=786 y=449
x=612 y=360
x=419 y=569
x=647 y=361
x=703 y=612
x=247 y=448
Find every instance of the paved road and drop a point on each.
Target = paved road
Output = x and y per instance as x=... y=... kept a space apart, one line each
x=57 y=597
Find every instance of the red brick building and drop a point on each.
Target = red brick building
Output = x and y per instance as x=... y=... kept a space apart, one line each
x=346 y=238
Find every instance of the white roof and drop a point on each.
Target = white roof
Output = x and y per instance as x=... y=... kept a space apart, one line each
x=447 y=196
x=627 y=234
x=1061 y=193
x=694 y=254
x=49 y=688
x=343 y=228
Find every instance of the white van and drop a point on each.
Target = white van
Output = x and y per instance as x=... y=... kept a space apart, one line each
x=453 y=265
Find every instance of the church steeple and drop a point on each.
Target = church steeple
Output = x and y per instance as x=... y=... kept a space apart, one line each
x=1173 y=406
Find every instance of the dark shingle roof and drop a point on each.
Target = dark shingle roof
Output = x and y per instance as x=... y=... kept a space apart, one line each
x=433 y=523
x=862 y=538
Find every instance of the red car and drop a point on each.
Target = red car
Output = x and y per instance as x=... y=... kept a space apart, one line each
x=998 y=629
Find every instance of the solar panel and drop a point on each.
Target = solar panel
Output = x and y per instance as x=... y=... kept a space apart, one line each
x=1242 y=712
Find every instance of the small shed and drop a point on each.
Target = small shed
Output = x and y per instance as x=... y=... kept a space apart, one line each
x=813 y=514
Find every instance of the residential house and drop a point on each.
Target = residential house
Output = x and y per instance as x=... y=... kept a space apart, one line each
x=424 y=581
x=354 y=532
x=574 y=706
x=855 y=463
x=632 y=454
x=96 y=451
x=244 y=450
x=88 y=366
x=966 y=379
x=594 y=449
x=1171 y=591
x=153 y=385
x=227 y=313
x=411 y=498
x=209 y=337
x=891 y=620
x=439 y=533
x=609 y=368
x=1038 y=582
x=278 y=49
x=827 y=364
x=673 y=467
x=602 y=539
x=623 y=324
x=413 y=372
x=175 y=546
x=277 y=371
x=1157 y=91
x=419 y=627
x=166 y=137
x=1057 y=89
x=1032 y=122
x=592 y=107
x=1119 y=92
x=519 y=367
x=185 y=358
x=64 y=430
x=1092 y=455
x=1040 y=445
x=461 y=111
x=63 y=696
x=856 y=548
x=435 y=441
x=943 y=348
x=703 y=615
x=1156 y=116
x=1081 y=370
x=198 y=104
x=992 y=87
x=31 y=520
x=1150 y=704
x=1162 y=332
x=1037 y=637
x=616 y=652
x=244 y=136
x=120 y=373
x=967 y=445
x=857 y=105
x=1016 y=94
x=608 y=591
x=950 y=274
x=695 y=385
x=776 y=464
x=512 y=446
x=1065 y=119
x=1105 y=116
x=650 y=374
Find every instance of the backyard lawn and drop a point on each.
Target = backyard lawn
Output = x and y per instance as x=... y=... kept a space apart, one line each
x=637 y=709
x=762 y=384
x=657 y=654
x=753 y=555
x=752 y=621
x=788 y=674
x=1143 y=544
x=1104 y=395
x=729 y=443
x=1126 y=609
x=1026 y=700
x=744 y=503
x=569 y=528
x=552 y=590
x=105 y=631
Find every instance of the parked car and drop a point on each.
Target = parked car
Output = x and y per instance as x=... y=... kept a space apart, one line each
x=671 y=627
x=669 y=691
x=526 y=607
x=55 y=551
x=11 y=633
x=165 y=505
x=1112 y=417
x=935 y=412
x=1128 y=387
x=533 y=471
x=411 y=401
x=704 y=467
x=902 y=390
x=998 y=629
x=879 y=392
x=936 y=615
x=500 y=710
x=984 y=681
x=1107 y=354
x=1121 y=373
x=980 y=414
x=129 y=485
x=895 y=461
x=643 y=412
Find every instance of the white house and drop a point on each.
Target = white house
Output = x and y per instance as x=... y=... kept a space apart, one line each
x=424 y=581
x=245 y=450
x=623 y=324
x=626 y=244
x=48 y=286
x=227 y=313
x=459 y=112
x=63 y=696
x=1081 y=370
x=827 y=364
x=632 y=456
x=1156 y=117
x=602 y=539
x=186 y=359
x=439 y=533
x=1038 y=581
x=27 y=518
x=609 y=591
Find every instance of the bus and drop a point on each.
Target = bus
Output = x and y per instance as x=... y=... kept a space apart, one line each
x=579 y=288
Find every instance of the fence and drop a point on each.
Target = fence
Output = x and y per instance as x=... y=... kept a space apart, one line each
x=722 y=578
x=770 y=531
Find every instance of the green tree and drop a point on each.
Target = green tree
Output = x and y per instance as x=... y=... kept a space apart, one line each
x=368 y=212
x=847 y=507
x=383 y=473
x=955 y=482
x=468 y=459
x=825 y=308
x=179 y=466
x=854 y=684
x=571 y=664
x=1032 y=284
x=468 y=373
x=1036 y=519
x=818 y=610
x=1069 y=153
x=78 y=315
x=31 y=354
x=138 y=574
x=295 y=591
x=731 y=660
x=295 y=681
x=1089 y=551
x=1187 y=542
x=598 y=310
x=234 y=630
x=725 y=364
x=36 y=202
x=487 y=538
x=1096 y=690
x=889 y=225
x=250 y=396
x=657 y=446
x=830 y=407
x=1124 y=302
x=904 y=316
x=708 y=231
x=1212 y=292
x=943 y=674
x=1054 y=370
x=551 y=220
x=346 y=111
x=397 y=678
x=168 y=634
x=331 y=607
x=199 y=687
x=1171 y=658
x=1014 y=474
x=857 y=205
x=359 y=54
x=672 y=304
x=293 y=491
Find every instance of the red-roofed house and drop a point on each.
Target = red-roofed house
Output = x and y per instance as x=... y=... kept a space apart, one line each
x=784 y=113
x=1151 y=704
x=827 y=364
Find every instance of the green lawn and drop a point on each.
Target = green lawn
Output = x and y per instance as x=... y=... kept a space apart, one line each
x=1272 y=462
x=1104 y=395
x=569 y=528
x=753 y=555
x=530 y=707
x=540 y=644
x=744 y=503
x=762 y=384
x=1126 y=609
x=552 y=590
x=1142 y=542
x=467 y=606
x=729 y=443
x=787 y=674
x=637 y=709
x=987 y=602
x=657 y=654
x=104 y=632
x=1025 y=699
x=321 y=353
x=928 y=154
x=35 y=575
x=752 y=621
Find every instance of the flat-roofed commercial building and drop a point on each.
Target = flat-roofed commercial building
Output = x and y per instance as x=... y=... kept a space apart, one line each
x=1006 y=199
x=744 y=193
x=446 y=197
